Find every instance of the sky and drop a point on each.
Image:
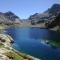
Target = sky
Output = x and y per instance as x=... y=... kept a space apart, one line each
x=25 y=8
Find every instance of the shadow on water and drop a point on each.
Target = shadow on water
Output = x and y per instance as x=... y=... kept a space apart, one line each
x=47 y=36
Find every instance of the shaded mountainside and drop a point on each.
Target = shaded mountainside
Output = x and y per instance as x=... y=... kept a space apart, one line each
x=9 y=18
x=54 y=23
x=55 y=9
x=47 y=19
x=48 y=16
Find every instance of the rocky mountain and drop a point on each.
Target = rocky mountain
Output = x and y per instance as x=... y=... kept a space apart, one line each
x=54 y=23
x=55 y=9
x=9 y=18
x=47 y=16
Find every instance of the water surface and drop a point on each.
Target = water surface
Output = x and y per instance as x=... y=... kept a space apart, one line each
x=41 y=43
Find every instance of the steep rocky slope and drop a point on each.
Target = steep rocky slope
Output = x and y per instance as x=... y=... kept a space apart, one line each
x=9 y=18
x=47 y=16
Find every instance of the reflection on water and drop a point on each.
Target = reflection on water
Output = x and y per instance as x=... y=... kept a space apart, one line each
x=41 y=43
x=37 y=33
x=46 y=37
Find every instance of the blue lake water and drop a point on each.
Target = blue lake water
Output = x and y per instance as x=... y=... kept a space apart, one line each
x=41 y=43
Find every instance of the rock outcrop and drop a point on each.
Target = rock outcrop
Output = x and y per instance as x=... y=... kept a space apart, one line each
x=47 y=16
x=9 y=18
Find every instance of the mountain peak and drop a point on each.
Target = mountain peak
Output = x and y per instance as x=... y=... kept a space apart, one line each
x=55 y=8
x=56 y=5
x=10 y=15
x=49 y=14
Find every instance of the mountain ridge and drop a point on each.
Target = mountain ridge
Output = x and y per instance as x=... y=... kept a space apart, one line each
x=9 y=18
x=49 y=14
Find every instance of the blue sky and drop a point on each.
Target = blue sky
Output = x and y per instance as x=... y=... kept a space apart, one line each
x=24 y=8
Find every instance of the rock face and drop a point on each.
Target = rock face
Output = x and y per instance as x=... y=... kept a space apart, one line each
x=55 y=9
x=54 y=23
x=47 y=16
x=9 y=18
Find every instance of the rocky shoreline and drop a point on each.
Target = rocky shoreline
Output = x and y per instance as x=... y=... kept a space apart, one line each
x=9 y=53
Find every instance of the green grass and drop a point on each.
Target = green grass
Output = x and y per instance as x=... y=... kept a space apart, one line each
x=25 y=56
x=55 y=43
x=14 y=56
x=1 y=45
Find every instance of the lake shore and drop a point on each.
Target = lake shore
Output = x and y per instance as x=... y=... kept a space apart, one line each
x=28 y=25
x=7 y=52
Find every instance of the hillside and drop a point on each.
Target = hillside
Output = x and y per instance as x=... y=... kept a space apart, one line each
x=47 y=16
x=9 y=18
